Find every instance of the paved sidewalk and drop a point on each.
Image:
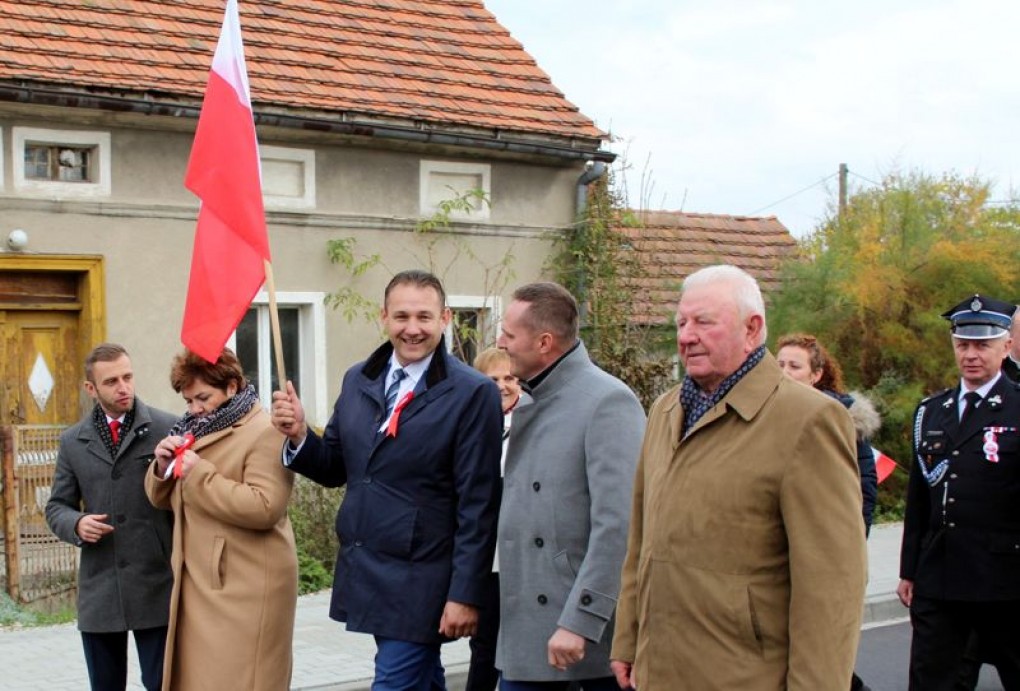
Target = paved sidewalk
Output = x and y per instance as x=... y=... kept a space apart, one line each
x=327 y=658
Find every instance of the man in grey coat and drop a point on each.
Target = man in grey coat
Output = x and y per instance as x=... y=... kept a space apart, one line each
x=566 y=500
x=98 y=503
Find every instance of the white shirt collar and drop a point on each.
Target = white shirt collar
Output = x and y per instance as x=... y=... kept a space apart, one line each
x=983 y=389
x=414 y=370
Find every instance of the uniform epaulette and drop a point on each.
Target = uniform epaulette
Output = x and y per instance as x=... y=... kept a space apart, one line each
x=937 y=394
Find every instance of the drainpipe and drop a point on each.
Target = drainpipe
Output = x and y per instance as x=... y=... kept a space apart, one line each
x=596 y=170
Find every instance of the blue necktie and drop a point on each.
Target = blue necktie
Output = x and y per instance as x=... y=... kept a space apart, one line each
x=391 y=392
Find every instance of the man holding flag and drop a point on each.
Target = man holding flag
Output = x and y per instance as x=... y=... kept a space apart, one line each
x=416 y=437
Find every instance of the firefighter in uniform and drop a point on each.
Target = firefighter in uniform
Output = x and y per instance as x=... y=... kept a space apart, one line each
x=960 y=560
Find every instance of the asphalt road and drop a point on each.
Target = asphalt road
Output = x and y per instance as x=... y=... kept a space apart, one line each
x=883 y=659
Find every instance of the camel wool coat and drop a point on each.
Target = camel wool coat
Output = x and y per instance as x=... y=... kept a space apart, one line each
x=746 y=562
x=234 y=563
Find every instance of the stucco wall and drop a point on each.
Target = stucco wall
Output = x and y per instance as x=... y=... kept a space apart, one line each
x=144 y=230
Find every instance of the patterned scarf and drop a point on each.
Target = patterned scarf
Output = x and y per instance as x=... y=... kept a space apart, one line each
x=103 y=427
x=696 y=402
x=223 y=417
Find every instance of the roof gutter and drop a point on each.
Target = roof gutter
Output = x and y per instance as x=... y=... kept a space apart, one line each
x=595 y=171
x=71 y=99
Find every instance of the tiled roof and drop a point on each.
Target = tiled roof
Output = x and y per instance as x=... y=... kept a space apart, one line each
x=671 y=245
x=427 y=63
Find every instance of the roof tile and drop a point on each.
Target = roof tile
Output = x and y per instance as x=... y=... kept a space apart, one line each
x=671 y=245
x=438 y=61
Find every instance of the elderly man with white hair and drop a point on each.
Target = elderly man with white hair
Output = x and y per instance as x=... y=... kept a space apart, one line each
x=746 y=561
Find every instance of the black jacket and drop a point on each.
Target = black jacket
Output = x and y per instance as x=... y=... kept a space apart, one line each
x=961 y=532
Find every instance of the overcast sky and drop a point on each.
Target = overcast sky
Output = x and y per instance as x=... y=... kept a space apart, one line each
x=731 y=106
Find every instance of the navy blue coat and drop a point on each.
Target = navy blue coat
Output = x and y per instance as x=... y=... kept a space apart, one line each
x=417 y=525
x=961 y=530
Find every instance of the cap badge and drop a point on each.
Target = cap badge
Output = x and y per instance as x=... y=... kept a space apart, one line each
x=975 y=305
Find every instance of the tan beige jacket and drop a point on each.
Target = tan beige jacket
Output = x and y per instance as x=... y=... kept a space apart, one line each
x=234 y=563
x=746 y=561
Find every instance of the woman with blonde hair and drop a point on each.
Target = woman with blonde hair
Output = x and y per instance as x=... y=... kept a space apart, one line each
x=482 y=674
x=233 y=557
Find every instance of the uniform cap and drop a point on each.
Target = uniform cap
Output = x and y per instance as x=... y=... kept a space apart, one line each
x=980 y=318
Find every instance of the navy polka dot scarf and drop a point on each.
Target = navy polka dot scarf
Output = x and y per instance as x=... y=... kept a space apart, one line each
x=696 y=402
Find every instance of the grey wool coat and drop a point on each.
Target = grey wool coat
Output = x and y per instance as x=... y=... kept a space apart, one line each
x=124 y=580
x=563 y=521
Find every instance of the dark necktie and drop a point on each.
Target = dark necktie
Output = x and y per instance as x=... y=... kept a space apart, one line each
x=115 y=431
x=971 y=400
x=391 y=392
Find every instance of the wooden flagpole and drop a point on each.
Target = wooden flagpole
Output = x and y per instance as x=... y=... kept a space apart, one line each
x=274 y=321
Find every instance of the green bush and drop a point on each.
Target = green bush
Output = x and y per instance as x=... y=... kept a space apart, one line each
x=312 y=514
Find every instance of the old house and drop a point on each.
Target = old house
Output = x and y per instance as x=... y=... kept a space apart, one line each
x=369 y=116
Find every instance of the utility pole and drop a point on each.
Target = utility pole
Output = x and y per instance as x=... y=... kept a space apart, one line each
x=842 y=190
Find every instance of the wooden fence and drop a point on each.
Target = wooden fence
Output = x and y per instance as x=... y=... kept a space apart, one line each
x=36 y=564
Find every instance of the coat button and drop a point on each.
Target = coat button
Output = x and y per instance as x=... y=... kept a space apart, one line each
x=122 y=564
x=952 y=525
x=357 y=543
x=115 y=474
x=956 y=453
x=539 y=542
x=586 y=599
x=542 y=599
x=952 y=476
x=367 y=481
x=952 y=500
x=121 y=518
x=536 y=486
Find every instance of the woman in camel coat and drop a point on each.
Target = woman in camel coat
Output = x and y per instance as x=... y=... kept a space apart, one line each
x=234 y=560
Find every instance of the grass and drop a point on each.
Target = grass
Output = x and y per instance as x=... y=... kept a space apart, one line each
x=13 y=614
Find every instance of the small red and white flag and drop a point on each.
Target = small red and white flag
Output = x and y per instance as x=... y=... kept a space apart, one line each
x=231 y=242
x=884 y=466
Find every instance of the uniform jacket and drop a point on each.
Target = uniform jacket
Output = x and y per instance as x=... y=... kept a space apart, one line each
x=746 y=563
x=563 y=521
x=417 y=522
x=234 y=561
x=961 y=530
x=124 y=580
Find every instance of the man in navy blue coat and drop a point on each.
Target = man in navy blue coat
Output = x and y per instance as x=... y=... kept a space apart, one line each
x=416 y=436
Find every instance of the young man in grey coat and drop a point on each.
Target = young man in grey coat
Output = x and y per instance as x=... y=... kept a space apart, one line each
x=98 y=503
x=566 y=500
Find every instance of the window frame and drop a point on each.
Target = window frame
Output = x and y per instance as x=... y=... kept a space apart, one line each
x=311 y=310
x=101 y=141
x=492 y=303
x=304 y=156
x=483 y=170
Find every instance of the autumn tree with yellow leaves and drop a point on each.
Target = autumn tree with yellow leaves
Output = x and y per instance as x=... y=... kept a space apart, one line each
x=872 y=282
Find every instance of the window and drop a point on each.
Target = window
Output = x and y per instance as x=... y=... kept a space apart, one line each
x=473 y=326
x=302 y=333
x=288 y=177
x=61 y=163
x=445 y=180
x=64 y=163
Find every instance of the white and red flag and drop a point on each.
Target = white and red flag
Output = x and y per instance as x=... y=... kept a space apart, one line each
x=231 y=243
x=884 y=466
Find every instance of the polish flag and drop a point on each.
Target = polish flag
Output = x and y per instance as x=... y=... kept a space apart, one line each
x=231 y=243
x=884 y=466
